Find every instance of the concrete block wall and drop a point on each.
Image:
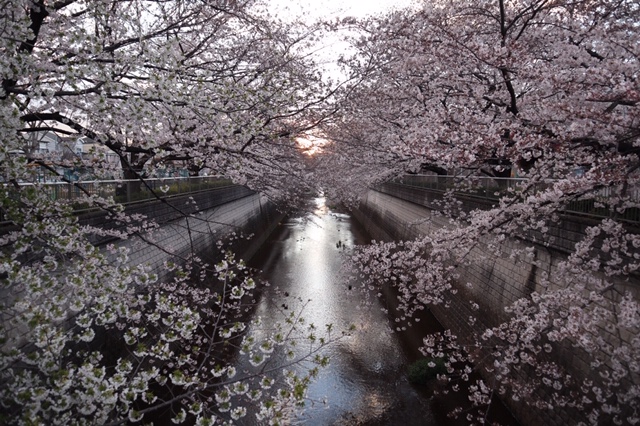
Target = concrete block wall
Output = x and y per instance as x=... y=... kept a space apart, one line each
x=494 y=276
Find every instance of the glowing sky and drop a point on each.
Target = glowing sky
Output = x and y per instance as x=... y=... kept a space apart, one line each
x=329 y=48
x=311 y=9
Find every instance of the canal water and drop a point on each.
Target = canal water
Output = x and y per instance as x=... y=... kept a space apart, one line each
x=365 y=382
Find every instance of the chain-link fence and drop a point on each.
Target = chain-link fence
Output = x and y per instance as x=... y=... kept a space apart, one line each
x=595 y=203
x=121 y=191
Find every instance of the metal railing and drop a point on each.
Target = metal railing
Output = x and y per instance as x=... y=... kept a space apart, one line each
x=596 y=204
x=122 y=191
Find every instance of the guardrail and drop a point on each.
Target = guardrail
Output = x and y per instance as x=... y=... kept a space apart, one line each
x=124 y=191
x=596 y=205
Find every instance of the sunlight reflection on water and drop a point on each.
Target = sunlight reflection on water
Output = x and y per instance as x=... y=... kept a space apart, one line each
x=364 y=383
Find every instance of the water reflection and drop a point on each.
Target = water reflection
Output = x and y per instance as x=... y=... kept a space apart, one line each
x=364 y=383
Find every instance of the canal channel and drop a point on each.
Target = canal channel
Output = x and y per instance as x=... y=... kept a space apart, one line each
x=365 y=382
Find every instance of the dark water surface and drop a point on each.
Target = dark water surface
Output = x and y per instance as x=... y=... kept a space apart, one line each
x=365 y=383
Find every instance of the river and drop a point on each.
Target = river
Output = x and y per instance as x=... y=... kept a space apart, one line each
x=365 y=382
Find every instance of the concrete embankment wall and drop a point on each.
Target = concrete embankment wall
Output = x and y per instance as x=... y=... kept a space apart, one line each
x=491 y=278
x=193 y=223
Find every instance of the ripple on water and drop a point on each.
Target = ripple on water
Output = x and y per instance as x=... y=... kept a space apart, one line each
x=364 y=383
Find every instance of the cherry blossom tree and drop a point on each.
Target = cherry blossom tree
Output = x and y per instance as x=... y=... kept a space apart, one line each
x=543 y=90
x=85 y=337
x=533 y=88
x=216 y=85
